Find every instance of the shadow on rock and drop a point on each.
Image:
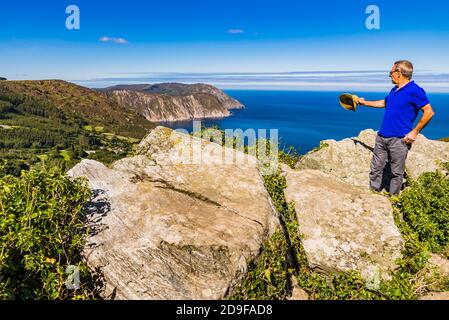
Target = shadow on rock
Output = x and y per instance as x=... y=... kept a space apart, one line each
x=97 y=208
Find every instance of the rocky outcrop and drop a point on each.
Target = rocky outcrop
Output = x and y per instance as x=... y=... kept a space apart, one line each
x=174 y=101
x=170 y=226
x=344 y=227
x=183 y=217
x=350 y=159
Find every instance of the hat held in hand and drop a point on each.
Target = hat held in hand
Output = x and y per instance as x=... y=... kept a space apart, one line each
x=349 y=101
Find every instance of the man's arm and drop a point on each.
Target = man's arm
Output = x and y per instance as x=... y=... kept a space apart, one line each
x=425 y=119
x=373 y=104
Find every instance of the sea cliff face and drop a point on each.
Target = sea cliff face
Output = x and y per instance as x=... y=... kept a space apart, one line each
x=174 y=101
x=162 y=107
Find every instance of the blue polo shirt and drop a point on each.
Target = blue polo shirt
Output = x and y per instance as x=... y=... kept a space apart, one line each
x=402 y=108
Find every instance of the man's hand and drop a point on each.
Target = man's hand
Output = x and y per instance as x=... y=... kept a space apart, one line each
x=427 y=116
x=411 y=137
x=372 y=104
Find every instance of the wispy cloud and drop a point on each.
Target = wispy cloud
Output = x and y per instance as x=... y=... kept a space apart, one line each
x=113 y=40
x=366 y=80
x=236 y=31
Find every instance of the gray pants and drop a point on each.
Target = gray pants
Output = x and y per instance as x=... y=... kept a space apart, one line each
x=388 y=165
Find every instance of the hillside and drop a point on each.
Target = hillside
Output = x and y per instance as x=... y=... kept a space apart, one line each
x=60 y=123
x=174 y=101
x=75 y=101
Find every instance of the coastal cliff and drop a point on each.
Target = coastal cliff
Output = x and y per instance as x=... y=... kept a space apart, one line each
x=174 y=101
x=162 y=107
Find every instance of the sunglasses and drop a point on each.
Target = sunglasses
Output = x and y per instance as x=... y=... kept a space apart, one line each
x=391 y=72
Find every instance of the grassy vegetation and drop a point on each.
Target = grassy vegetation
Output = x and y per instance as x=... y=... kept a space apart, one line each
x=424 y=207
x=42 y=232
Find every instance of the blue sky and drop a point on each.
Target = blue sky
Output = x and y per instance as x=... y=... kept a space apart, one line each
x=260 y=41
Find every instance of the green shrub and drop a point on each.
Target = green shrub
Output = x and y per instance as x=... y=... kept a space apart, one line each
x=425 y=208
x=42 y=232
x=269 y=276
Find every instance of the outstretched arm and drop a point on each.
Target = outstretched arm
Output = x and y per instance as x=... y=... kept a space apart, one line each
x=373 y=104
x=425 y=119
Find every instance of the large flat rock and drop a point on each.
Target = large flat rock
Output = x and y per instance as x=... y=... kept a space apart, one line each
x=170 y=227
x=350 y=159
x=344 y=227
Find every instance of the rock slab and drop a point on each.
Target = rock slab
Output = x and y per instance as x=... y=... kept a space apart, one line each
x=343 y=227
x=350 y=159
x=168 y=228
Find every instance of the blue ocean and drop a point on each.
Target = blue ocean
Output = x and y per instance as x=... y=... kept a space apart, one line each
x=306 y=118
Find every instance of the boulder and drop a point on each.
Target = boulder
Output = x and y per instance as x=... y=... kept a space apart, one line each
x=350 y=159
x=344 y=227
x=169 y=227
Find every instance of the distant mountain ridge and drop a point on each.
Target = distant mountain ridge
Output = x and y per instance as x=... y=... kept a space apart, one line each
x=174 y=101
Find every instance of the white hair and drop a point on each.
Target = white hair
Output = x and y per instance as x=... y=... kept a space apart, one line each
x=405 y=67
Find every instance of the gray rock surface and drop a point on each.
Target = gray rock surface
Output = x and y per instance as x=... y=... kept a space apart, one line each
x=344 y=227
x=350 y=159
x=172 y=228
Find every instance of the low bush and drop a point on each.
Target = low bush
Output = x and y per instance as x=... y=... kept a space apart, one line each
x=424 y=207
x=42 y=233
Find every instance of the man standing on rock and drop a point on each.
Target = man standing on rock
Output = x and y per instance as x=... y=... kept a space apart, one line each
x=397 y=134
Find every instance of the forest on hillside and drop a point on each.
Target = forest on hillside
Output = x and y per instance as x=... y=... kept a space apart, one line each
x=34 y=132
